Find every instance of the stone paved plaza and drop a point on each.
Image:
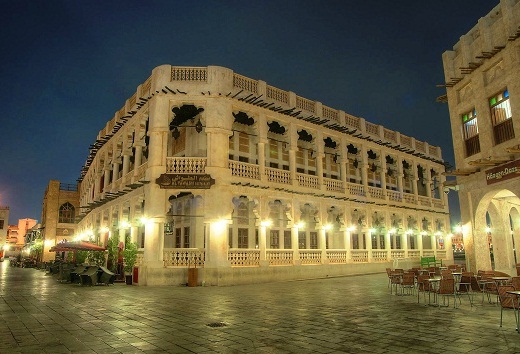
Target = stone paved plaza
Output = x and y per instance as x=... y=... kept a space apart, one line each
x=341 y=315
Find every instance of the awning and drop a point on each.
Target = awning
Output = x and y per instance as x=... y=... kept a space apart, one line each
x=76 y=246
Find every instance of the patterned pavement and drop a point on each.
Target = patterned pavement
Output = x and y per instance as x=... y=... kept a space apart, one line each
x=354 y=314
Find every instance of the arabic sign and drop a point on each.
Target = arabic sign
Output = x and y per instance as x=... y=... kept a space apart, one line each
x=184 y=181
x=503 y=172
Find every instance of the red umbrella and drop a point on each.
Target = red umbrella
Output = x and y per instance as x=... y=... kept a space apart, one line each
x=76 y=246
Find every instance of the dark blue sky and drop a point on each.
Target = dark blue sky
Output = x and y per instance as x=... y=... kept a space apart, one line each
x=67 y=66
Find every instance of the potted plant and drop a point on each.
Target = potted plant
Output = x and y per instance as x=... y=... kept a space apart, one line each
x=129 y=259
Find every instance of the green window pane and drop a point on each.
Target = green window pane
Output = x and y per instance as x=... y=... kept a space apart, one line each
x=492 y=101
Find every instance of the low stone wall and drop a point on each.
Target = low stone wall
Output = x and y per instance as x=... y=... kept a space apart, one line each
x=254 y=275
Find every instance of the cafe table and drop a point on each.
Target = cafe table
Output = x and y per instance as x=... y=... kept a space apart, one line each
x=517 y=317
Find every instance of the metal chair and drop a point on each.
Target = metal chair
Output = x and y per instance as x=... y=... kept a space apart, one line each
x=447 y=288
x=508 y=301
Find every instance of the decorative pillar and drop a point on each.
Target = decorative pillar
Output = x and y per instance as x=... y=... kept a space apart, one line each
x=383 y=175
x=322 y=244
x=138 y=156
x=368 y=242
x=115 y=168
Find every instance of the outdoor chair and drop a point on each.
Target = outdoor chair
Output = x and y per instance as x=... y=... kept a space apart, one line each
x=423 y=286
x=446 y=273
x=515 y=281
x=395 y=280
x=508 y=301
x=389 y=274
x=407 y=283
x=446 y=289
x=465 y=285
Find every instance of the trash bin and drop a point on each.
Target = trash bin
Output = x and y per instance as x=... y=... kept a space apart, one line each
x=192 y=276
x=106 y=276
x=89 y=276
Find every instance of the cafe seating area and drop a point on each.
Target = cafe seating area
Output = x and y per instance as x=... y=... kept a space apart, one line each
x=452 y=287
x=67 y=272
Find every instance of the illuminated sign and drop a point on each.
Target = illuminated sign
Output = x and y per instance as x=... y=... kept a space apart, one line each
x=184 y=181
x=504 y=172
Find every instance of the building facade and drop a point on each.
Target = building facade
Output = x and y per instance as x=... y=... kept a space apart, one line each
x=207 y=168
x=60 y=208
x=482 y=75
x=4 y=222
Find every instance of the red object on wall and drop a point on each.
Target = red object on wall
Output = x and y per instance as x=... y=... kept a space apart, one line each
x=136 y=275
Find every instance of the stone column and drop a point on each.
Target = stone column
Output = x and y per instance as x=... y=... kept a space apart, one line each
x=383 y=175
x=420 y=243
x=404 y=243
x=322 y=244
x=368 y=242
x=106 y=179
x=262 y=242
x=294 y=242
x=400 y=174
x=115 y=169
x=138 y=156
x=126 y=163
x=364 y=168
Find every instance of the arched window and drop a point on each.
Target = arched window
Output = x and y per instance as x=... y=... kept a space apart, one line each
x=66 y=214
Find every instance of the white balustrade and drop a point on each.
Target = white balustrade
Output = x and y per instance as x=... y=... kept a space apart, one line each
x=183 y=257
x=397 y=254
x=394 y=196
x=379 y=256
x=244 y=257
x=307 y=181
x=189 y=74
x=191 y=165
x=337 y=256
x=279 y=257
x=409 y=198
x=310 y=256
x=424 y=201
x=359 y=256
x=375 y=192
x=441 y=254
x=356 y=189
x=334 y=185
x=278 y=176
x=414 y=253
x=245 y=170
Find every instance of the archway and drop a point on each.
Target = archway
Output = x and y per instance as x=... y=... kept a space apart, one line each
x=492 y=244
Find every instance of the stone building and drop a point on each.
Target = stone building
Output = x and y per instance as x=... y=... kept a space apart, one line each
x=60 y=208
x=482 y=75
x=206 y=168
x=4 y=222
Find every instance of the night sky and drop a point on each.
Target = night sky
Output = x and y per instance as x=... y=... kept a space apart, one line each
x=67 y=66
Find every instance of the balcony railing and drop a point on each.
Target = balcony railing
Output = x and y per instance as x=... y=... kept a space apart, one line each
x=191 y=165
x=242 y=257
x=183 y=257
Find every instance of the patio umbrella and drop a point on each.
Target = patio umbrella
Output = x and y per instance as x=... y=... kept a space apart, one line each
x=76 y=246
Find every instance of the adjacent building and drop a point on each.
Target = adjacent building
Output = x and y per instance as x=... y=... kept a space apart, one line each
x=4 y=221
x=60 y=208
x=482 y=75
x=205 y=168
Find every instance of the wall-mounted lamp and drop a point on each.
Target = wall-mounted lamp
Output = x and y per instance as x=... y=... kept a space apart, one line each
x=266 y=223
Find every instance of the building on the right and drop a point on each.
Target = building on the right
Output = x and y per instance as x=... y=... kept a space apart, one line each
x=482 y=75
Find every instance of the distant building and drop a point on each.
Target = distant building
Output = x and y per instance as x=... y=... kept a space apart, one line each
x=4 y=222
x=16 y=236
x=59 y=211
x=482 y=75
x=251 y=183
